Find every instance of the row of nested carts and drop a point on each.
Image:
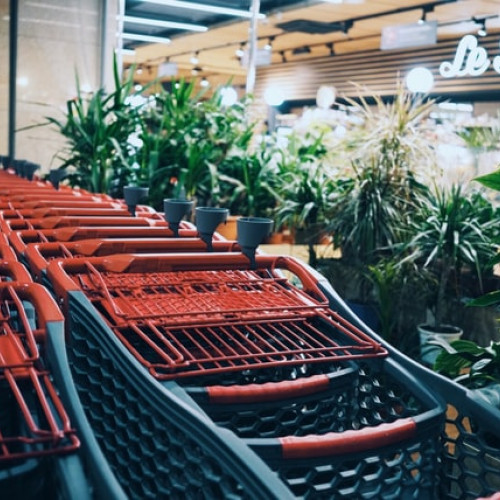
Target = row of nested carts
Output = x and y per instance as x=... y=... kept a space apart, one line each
x=138 y=360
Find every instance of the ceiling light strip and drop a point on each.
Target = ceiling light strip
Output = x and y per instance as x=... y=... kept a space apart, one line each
x=203 y=7
x=145 y=38
x=164 y=24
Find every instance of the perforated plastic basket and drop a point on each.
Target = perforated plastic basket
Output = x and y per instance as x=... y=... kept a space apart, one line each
x=469 y=448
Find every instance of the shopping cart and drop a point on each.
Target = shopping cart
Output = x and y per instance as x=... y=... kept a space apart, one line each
x=155 y=444
x=38 y=446
x=300 y=382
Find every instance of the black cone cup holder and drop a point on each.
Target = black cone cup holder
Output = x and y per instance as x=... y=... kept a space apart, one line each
x=133 y=196
x=56 y=176
x=5 y=161
x=29 y=169
x=251 y=232
x=19 y=167
x=175 y=209
x=207 y=220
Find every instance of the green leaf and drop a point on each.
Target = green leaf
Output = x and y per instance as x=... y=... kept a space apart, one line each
x=489 y=299
x=491 y=181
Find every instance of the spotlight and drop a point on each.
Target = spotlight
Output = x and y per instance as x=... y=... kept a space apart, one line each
x=240 y=51
x=194 y=58
x=482 y=26
x=269 y=44
x=204 y=82
x=425 y=10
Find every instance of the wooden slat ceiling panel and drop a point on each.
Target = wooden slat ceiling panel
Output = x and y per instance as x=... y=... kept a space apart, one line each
x=300 y=81
x=217 y=46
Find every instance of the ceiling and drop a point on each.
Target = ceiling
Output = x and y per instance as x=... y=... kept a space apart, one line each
x=295 y=29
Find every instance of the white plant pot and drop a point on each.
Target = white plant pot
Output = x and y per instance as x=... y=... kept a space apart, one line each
x=432 y=342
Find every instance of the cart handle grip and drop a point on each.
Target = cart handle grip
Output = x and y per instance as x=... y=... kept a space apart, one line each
x=45 y=306
x=7 y=252
x=309 y=283
x=351 y=441
x=15 y=270
x=270 y=391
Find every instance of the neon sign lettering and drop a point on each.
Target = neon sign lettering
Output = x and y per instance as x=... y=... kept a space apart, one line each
x=470 y=60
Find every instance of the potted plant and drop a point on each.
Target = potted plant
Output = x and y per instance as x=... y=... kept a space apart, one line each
x=473 y=366
x=97 y=128
x=302 y=186
x=448 y=238
x=383 y=154
x=186 y=138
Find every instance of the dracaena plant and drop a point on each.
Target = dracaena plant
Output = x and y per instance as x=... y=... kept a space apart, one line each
x=97 y=128
x=387 y=151
x=447 y=236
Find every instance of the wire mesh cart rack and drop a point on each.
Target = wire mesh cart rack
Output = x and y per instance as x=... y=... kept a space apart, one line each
x=314 y=397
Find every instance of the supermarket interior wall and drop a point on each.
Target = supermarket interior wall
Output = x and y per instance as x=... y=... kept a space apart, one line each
x=57 y=40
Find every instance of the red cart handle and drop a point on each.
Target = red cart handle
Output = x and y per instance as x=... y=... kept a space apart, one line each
x=270 y=391
x=7 y=252
x=54 y=222
x=45 y=305
x=15 y=270
x=351 y=441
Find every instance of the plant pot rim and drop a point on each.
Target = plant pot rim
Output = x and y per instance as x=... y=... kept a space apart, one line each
x=440 y=329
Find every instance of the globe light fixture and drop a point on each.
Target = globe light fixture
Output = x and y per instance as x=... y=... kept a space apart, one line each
x=325 y=97
x=229 y=96
x=273 y=96
x=419 y=80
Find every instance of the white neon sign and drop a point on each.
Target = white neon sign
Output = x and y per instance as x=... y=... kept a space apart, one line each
x=470 y=60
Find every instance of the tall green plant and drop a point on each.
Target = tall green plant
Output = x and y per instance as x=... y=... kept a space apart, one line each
x=449 y=235
x=187 y=136
x=97 y=129
x=303 y=185
x=491 y=181
x=246 y=183
x=387 y=150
